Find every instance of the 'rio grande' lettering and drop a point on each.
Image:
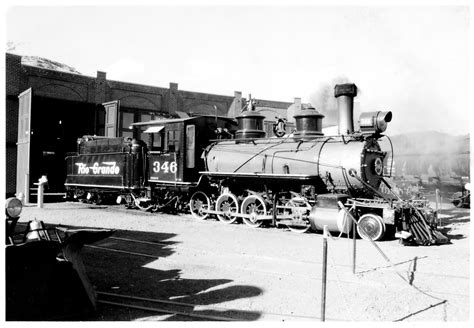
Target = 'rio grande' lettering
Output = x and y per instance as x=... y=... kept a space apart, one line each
x=107 y=168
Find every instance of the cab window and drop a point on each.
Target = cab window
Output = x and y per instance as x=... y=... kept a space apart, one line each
x=173 y=140
x=157 y=141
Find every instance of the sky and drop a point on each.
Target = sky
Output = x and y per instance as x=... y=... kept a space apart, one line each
x=412 y=60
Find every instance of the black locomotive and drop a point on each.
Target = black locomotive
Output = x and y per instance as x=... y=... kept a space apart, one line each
x=229 y=168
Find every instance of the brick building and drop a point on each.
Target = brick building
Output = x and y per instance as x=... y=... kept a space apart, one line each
x=47 y=110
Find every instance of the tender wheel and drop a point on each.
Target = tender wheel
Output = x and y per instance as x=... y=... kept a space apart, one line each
x=228 y=204
x=298 y=209
x=255 y=206
x=371 y=227
x=199 y=201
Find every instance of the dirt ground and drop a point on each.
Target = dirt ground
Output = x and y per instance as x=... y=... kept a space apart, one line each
x=266 y=274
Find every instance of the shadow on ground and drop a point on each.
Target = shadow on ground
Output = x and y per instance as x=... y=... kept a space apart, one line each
x=123 y=271
x=451 y=217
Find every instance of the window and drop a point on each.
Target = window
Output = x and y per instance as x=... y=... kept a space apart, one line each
x=145 y=136
x=190 y=146
x=173 y=140
x=157 y=140
x=127 y=119
x=126 y=124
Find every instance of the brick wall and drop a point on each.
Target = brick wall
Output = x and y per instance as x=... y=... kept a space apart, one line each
x=96 y=90
x=13 y=72
x=13 y=88
x=100 y=88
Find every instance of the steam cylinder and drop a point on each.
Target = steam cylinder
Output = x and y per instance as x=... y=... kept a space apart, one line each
x=327 y=213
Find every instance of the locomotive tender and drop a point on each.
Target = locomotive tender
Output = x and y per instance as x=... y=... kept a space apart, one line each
x=298 y=180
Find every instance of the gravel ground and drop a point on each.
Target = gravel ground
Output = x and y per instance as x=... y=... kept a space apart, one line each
x=266 y=274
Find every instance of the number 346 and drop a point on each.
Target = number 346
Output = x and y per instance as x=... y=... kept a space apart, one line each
x=165 y=167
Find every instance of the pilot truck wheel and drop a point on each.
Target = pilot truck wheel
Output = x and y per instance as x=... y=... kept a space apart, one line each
x=371 y=227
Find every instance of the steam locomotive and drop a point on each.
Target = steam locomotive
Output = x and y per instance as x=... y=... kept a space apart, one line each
x=229 y=168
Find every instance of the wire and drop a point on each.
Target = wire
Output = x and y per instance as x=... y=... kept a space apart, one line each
x=388 y=259
x=258 y=153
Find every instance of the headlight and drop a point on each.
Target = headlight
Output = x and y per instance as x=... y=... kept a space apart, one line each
x=13 y=207
x=374 y=122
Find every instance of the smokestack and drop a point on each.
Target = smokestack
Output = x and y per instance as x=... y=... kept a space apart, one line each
x=345 y=94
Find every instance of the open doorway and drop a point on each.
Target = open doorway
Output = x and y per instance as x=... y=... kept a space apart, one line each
x=56 y=125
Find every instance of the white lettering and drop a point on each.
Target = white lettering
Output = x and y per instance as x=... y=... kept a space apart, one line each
x=173 y=167
x=165 y=167
x=107 y=168
x=82 y=168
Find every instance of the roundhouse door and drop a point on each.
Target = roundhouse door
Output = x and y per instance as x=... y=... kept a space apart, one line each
x=112 y=116
x=24 y=144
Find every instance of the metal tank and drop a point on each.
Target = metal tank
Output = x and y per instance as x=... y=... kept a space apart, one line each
x=328 y=157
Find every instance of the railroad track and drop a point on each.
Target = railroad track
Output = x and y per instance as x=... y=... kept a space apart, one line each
x=188 y=310
x=164 y=307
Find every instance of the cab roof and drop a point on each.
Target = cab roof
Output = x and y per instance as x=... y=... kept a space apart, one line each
x=184 y=119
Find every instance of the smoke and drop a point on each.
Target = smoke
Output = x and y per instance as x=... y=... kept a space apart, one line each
x=324 y=101
x=420 y=153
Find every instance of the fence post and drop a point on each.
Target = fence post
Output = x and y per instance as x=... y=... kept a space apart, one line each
x=40 y=195
x=353 y=247
x=27 y=188
x=325 y=261
x=41 y=182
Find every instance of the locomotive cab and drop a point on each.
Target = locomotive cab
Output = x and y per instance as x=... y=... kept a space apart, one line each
x=176 y=146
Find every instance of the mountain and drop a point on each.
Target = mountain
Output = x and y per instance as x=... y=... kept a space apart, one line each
x=430 y=142
x=47 y=64
x=430 y=154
